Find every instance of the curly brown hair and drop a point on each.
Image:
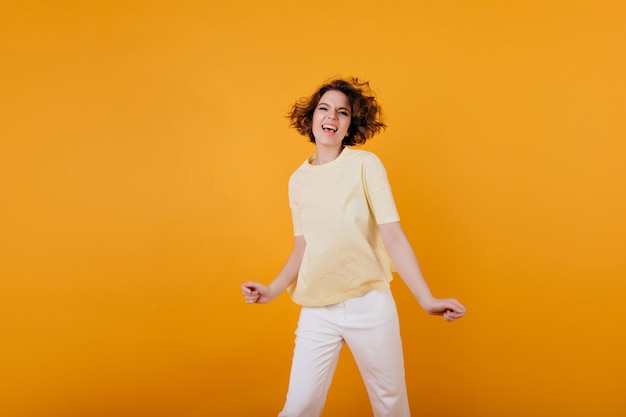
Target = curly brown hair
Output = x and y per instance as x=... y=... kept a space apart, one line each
x=365 y=111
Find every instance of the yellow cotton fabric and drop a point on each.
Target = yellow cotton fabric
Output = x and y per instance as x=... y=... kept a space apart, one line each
x=336 y=207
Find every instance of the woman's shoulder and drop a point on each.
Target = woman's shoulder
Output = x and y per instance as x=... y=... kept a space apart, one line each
x=302 y=168
x=362 y=154
x=365 y=157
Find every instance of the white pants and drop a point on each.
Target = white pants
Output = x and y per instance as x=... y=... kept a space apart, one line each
x=369 y=325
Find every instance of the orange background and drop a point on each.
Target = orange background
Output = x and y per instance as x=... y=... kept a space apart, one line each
x=144 y=165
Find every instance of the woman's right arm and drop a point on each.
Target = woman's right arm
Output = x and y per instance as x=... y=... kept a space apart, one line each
x=255 y=292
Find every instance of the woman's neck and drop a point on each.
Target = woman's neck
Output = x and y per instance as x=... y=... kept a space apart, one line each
x=324 y=155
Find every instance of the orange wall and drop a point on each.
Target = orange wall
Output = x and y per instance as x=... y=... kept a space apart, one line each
x=143 y=173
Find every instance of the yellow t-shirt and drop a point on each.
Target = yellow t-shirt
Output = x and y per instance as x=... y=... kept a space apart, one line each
x=336 y=207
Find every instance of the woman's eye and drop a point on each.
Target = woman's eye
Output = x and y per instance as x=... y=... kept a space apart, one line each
x=345 y=113
x=322 y=108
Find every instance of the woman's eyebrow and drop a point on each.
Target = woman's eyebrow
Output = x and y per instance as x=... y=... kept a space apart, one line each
x=328 y=105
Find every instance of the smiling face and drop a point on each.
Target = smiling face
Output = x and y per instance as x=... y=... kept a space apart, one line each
x=331 y=119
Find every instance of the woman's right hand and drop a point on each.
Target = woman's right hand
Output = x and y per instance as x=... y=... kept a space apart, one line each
x=255 y=292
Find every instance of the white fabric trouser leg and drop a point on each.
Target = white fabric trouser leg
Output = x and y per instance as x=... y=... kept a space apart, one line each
x=369 y=325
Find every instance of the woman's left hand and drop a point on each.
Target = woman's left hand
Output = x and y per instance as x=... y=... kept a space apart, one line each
x=450 y=308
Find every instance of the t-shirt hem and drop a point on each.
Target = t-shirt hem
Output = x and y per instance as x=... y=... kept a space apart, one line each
x=388 y=220
x=337 y=298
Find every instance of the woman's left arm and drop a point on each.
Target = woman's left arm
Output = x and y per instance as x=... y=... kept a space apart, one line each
x=406 y=263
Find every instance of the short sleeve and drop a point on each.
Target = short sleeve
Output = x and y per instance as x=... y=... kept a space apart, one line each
x=295 y=217
x=378 y=191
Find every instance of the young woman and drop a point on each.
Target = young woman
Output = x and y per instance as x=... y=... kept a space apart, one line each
x=347 y=239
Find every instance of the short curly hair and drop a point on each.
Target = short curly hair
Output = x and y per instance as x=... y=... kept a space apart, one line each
x=365 y=110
